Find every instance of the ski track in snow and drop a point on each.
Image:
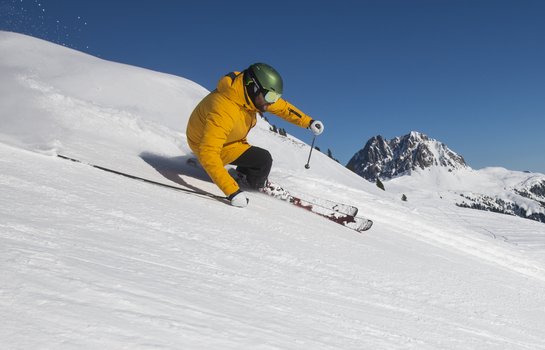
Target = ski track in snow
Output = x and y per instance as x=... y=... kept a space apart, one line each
x=92 y=260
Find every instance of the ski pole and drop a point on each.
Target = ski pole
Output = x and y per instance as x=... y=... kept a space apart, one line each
x=307 y=166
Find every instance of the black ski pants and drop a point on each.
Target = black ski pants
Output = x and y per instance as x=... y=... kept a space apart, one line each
x=256 y=164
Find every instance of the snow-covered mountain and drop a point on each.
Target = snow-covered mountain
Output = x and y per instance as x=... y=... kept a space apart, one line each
x=386 y=159
x=92 y=260
x=433 y=164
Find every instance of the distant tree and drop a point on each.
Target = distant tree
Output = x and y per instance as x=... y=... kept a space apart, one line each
x=380 y=184
x=274 y=128
x=282 y=132
x=404 y=198
x=330 y=155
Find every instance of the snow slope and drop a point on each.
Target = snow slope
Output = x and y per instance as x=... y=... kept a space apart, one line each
x=499 y=186
x=92 y=260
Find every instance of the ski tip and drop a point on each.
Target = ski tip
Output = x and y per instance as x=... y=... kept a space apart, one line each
x=366 y=226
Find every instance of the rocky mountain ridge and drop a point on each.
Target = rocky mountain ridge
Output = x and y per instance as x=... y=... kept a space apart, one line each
x=417 y=163
x=386 y=159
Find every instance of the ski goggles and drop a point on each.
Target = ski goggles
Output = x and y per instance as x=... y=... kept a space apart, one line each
x=270 y=96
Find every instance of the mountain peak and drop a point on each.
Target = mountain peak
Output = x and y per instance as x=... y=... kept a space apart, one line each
x=381 y=158
x=417 y=135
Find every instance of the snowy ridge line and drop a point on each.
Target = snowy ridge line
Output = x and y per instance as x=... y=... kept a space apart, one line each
x=134 y=177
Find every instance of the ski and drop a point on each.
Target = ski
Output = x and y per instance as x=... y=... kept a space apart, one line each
x=353 y=222
x=356 y=223
x=326 y=203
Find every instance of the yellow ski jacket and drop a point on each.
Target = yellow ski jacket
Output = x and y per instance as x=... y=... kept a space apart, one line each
x=218 y=127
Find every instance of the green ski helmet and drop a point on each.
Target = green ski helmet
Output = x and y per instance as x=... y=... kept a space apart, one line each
x=268 y=81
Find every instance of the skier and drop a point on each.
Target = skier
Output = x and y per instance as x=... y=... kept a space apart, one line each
x=218 y=127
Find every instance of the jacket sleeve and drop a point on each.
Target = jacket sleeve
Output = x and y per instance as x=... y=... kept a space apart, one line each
x=290 y=113
x=216 y=129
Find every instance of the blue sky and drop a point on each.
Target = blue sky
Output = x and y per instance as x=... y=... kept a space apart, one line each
x=470 y=73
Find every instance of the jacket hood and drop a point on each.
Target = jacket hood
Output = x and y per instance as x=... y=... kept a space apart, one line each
x=232 y=87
